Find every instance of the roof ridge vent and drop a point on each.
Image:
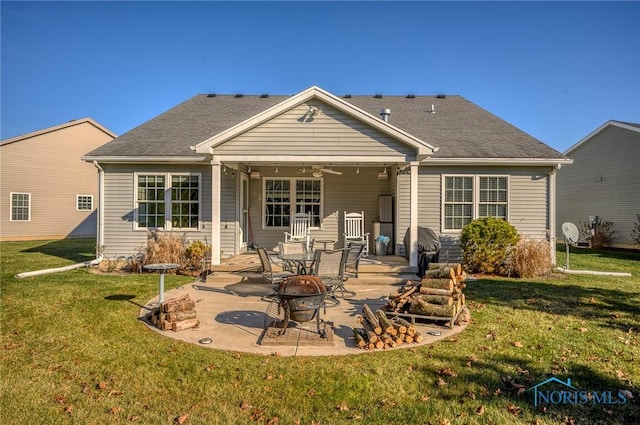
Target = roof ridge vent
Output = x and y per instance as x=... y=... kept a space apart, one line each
x=264 y=96
x=441 y=96
x=347 y=96
x=211 y=95
x=239 y=95
x=411 y=96
x=377 y=96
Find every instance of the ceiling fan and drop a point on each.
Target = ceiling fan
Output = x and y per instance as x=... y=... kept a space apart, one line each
x=318 y=170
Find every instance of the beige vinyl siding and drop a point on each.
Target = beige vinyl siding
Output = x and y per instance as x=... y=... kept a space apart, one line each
x=332 y=131
x=119 y=202
x=603 y=181
x=48 y=166
x=357 y=191
x=528 y=202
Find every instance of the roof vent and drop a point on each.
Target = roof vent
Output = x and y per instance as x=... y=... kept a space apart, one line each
x=441 y=96
x=377 y=96
x=211 y=95
x=239 y=95
x=347 y=96
x=264 y=96
x=385 y=114
x=411 y=96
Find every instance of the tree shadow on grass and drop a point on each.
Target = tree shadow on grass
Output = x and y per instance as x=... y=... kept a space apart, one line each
x=611 y=307
x=76 y=250
x=512 y=378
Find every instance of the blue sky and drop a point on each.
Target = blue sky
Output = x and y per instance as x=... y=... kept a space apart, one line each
x=557 y=70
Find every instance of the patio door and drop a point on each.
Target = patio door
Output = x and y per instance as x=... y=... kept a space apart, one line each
x=245 y=225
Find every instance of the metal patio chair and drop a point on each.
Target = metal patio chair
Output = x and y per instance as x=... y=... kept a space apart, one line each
x=329 y=266
x=356 y=249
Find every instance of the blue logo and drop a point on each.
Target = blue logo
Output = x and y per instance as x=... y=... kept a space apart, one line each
x=568 y=394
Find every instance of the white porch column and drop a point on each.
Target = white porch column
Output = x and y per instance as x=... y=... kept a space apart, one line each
x=215 y=211
x=552 y=214
x=413 y=214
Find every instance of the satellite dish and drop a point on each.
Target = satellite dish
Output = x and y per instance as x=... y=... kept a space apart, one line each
x=571 y=233
x=571 y=236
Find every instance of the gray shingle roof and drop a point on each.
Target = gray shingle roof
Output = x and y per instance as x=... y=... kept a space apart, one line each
x=459 y=128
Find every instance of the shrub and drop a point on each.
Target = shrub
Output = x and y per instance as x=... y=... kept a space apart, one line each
x=598 y=234
x=167 y=248
x=486 y=243
x=531 y=258
x=635 y=233
x=195 y=254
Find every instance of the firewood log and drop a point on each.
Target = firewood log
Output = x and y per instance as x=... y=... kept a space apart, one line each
x=419 y=306
x=409 y=328
x=405 y=294
x=371 y=318
x=445 y=272
x=437 y=299
x=418 y=337
x=180 y=305
x=457 y=267
x=385 y=323
x=435 y=291
x=438 y=283
x=369 y=333
x=185 y=324
x=360 y=342
x=181 y=315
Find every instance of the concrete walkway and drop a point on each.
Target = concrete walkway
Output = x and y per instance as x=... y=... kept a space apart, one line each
x=232 y=311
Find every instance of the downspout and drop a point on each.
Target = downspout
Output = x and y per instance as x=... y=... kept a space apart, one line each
x=100 y=220
x=99 y=236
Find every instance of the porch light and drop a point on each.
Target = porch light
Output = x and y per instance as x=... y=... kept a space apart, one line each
x=382 y=175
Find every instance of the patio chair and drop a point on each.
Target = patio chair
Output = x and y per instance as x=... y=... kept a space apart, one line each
x=329 y=266
x=354 y=230
x=273 y=277
x=300 y=229
x=291 y=248
x=356 y=249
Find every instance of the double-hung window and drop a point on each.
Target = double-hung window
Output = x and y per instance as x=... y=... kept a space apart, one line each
x=283 y=197
x=168 y=201
x=20 y=207
x=468 y=197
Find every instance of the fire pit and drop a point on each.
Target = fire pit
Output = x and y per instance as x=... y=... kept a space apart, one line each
x=300 y=298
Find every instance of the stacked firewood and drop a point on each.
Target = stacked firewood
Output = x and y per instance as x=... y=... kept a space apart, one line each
x=438 y=294
x=379 y=332
x=176 y=314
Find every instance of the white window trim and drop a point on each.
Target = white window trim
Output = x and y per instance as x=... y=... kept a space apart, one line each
x=11 y=207
x=167 y=201
x=78 y=196
x=476 y=198
x=292 y=190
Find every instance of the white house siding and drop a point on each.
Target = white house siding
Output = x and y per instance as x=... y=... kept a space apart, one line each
x=351 y=192
x=47 y=165
x=331 y=132
x=121 y=239
x=603 y=181
x=528 y=189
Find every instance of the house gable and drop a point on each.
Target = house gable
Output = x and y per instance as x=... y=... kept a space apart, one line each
x=330 y=133
x=333 y=113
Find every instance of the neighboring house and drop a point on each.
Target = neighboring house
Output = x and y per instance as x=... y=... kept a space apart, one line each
x=604 y=180
x=47 y=191
x=232 y=169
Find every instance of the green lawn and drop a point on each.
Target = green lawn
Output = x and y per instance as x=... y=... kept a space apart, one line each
x=72 y=351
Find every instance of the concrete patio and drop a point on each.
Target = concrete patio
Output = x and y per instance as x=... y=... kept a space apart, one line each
x=231 y=310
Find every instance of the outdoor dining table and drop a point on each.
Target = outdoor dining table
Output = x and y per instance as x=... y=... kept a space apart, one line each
x=162 y=268
x=303 y=261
